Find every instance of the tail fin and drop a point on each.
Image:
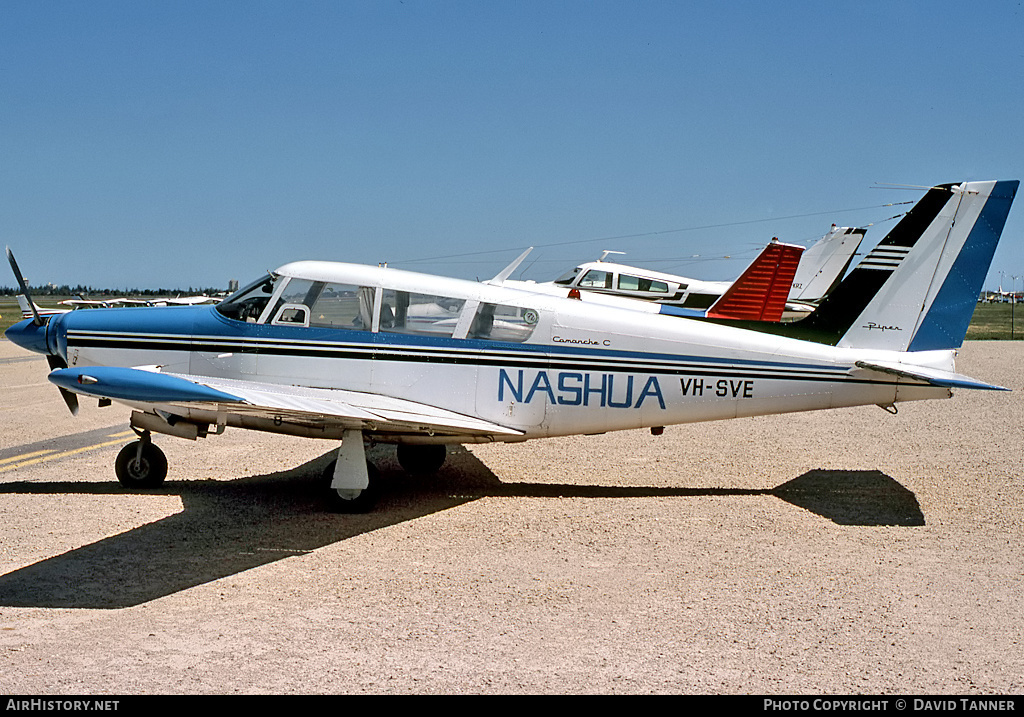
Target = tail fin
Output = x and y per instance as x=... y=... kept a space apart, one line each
x=761 y=291
x=26 y=307
x=916 y=290
x=930 y=293
x=823 y=265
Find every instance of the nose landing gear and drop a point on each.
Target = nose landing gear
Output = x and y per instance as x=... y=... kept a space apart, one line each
x=141 y=464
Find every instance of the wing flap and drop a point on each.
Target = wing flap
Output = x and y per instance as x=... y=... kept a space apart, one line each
x=366 y=407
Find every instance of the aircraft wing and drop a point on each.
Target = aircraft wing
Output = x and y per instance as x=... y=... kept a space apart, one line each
x=310 y=406
x=934 y=376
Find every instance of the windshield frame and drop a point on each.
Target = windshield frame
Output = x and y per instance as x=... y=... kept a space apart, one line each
x=233 y=306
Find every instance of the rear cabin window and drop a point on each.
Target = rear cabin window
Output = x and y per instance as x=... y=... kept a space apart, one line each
x=636 y=283
x=503 y=323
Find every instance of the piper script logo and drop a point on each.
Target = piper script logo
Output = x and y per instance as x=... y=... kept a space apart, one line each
x=871 y=325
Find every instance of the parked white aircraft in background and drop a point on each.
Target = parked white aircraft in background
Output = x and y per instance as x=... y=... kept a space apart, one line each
x=760 y=293
x=352 y=353
x=80 y=303
x=29 y=308
x=821 y=268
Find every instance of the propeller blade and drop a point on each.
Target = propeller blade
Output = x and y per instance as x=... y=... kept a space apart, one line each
x=38 y=320
x=70 y=398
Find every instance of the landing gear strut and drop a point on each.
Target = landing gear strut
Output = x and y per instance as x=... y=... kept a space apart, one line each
x=350 y=479
x=141 y=464
x=351 y=500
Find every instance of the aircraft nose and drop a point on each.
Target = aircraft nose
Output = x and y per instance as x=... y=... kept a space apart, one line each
x=28 y=335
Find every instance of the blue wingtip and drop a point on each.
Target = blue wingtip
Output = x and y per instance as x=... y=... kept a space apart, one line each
x=132 y=384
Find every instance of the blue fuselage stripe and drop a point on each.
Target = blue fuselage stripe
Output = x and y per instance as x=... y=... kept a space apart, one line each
x=468 y=352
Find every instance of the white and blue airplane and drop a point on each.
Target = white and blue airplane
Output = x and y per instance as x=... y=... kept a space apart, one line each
x=355 y=353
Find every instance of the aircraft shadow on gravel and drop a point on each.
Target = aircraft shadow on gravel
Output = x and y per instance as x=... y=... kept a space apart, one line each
x=232 y=526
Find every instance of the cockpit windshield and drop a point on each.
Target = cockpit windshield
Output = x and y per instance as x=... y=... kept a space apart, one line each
x=248 y=303
x=568 y=277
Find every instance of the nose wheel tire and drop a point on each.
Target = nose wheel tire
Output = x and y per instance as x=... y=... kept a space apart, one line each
x=140 y=465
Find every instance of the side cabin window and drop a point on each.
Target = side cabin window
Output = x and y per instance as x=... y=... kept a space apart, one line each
x=324 y=305
x=596 y=279
x=636 y=283
x=403 y=312
x=343 y=306
x=318 y=304
x=503 y=323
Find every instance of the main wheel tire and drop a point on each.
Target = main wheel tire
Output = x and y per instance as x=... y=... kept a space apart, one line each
x=349 y=501
x=145 y=471
x=421 y=459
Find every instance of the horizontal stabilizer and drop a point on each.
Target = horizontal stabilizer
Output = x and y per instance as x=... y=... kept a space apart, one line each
x=934 y=376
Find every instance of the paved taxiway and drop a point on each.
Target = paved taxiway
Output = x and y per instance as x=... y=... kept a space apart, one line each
x=847 y=552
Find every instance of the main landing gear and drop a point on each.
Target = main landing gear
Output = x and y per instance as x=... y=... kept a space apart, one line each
x=350 y=481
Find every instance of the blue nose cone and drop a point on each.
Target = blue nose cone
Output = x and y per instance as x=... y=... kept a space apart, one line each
x=29 y=336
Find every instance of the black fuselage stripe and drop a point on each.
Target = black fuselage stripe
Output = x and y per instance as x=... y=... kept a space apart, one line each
x=508 y=361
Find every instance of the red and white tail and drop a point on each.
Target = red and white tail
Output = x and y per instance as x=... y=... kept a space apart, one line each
x=761 y=292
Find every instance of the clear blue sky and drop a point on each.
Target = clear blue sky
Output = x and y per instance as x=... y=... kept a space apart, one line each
x=187 y=143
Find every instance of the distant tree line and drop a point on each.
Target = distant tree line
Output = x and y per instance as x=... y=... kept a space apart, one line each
x=80 y=290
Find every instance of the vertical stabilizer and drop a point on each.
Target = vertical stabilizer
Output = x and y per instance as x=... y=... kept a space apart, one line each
x=761 y=291
x=26 y=307
x=823 y=265
x=931 y=288
x=916 y=290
